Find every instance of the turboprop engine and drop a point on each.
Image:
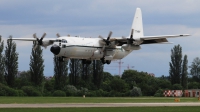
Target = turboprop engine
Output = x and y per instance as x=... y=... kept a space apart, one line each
x=128 y=47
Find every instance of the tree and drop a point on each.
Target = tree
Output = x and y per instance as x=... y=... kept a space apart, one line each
x=23 y=79
x=2 y=79
x=60 y=73
x=130 y=77
x=86 y=75
x=36 y=66
x=175 y=64
x=11 y=62
x=107 y=77
x=75 y=71
x=97 y=73
x=118 y=85
x=184 y=72
x=195 y=69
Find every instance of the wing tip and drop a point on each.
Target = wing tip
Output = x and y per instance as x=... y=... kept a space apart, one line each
x=185 y=35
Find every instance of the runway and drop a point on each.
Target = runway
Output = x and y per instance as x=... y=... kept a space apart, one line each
x=66 y=105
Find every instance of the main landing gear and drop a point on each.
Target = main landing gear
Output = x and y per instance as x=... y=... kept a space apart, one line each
x=105 y=61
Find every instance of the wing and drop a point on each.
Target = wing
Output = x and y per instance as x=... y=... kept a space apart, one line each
x=159 y=39
x=33 y=39
x=43 y=42
x=23 y=39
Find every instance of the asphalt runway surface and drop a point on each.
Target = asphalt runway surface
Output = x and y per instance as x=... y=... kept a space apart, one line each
x=66 y=105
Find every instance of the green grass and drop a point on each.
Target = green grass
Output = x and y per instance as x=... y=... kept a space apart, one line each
x=32 y=100
x=106 y=109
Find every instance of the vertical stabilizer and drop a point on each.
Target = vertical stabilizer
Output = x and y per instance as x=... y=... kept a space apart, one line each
x=137 y=25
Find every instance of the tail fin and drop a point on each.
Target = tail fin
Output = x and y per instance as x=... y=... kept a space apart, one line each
x=137 y=25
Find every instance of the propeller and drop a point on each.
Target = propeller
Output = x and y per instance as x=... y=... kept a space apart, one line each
x=107 y=41
x=39 y=41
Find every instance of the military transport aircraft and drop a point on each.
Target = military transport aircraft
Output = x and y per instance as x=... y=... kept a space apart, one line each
x=104 y=49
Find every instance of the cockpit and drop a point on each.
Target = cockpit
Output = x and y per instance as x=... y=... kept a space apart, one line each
x=63 y=40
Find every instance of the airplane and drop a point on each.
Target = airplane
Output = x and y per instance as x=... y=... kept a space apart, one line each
x=104 y=49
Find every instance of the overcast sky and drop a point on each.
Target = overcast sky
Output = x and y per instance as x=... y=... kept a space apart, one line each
x=91 y=18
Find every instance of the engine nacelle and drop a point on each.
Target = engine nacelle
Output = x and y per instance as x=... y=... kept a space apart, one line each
x=128 y=47
x=97 y=54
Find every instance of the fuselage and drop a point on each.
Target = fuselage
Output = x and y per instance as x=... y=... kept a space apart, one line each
x=88 y=48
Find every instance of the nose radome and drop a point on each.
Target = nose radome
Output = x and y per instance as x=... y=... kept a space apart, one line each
x=55 y=49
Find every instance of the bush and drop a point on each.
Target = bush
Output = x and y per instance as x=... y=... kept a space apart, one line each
x=159 y=93
x=82 y=91
x=59 y=93
x=7 y=91
x=70 y=90
x=31 y=91
x=135 y=92
x=21 y=93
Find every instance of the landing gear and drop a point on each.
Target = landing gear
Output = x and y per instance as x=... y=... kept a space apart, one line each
x=105 y=61
x=108 y=61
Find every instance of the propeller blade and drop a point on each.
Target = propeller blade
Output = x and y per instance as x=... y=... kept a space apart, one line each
x=43 y=35
x=123 y=37
x=34 y=35
x=35 y=47
x=109 y=35
x=58 y=35
x=102 y=50
x=101 y=37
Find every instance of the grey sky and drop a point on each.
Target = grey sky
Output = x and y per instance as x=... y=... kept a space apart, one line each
x=91 y=18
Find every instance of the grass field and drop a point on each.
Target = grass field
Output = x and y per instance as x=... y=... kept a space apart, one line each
x=32 y=100
x=107 y=109
x=35 y=100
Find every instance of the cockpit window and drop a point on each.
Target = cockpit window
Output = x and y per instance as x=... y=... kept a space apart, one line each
x=64 y=41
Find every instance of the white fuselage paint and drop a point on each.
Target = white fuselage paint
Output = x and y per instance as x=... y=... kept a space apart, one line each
x=88 y=48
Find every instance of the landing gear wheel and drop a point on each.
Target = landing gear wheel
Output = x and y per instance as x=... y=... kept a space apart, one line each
x=108 y=62
x=103 y=60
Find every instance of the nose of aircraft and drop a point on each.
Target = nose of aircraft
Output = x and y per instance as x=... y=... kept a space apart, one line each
x=55 y=49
